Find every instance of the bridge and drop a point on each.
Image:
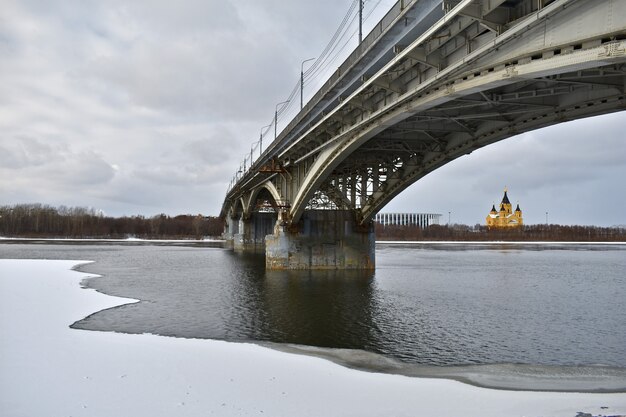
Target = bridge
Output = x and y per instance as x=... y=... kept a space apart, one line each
x=433 y=81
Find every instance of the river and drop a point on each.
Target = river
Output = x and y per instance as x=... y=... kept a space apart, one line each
x=425 y=305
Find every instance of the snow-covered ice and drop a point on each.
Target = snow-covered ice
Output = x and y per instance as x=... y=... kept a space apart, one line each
x=48 y=369
x=129 y=239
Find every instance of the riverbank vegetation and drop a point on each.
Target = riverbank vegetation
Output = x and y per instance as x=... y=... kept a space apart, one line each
x=536 y=232
x=37 y=220
x=43 y=221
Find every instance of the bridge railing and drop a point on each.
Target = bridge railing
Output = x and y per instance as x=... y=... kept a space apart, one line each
x=357 y=54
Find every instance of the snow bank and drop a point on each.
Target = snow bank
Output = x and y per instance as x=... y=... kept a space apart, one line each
x=129 y=239
x=48 y=369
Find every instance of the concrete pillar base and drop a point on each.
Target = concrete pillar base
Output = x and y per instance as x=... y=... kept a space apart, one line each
x=243 y=243
x=252 y=231
x=230 y=229
x=325 y=239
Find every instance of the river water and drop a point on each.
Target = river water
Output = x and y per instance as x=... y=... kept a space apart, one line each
x=425 y=305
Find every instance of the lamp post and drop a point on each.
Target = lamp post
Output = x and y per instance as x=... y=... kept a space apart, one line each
x=245 y=163
x=261 y=140
x=302 y=79
x=360 y=21
x=449 y=215
x=276 y=116
x=546 y=217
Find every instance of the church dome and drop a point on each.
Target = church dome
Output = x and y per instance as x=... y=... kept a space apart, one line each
x=505 y=199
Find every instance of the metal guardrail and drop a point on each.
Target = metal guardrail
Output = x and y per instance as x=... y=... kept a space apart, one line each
x=359 y=52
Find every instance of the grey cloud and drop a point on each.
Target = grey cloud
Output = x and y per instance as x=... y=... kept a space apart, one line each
x=21 y=152
x=64 y=179
x=129 y=197
x=567 y=153
x=166 y=176
x=174 y=175
x=82 y=169
x=66 y=168
x=149 y=107
x=195 y=79
x=192 y=17
x=215 y=149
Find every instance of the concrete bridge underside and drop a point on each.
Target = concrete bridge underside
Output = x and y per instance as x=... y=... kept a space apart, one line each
x=442 y=79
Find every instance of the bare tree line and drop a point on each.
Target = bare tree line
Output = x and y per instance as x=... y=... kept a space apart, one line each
x=37 y=220
x=538 y=232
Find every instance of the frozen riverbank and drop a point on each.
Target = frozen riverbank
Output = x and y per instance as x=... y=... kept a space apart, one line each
x=46 y=368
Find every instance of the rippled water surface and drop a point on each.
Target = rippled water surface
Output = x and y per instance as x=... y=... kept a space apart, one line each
x=424 y=304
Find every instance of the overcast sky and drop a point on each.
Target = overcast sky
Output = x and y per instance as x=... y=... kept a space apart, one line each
x=147 y=107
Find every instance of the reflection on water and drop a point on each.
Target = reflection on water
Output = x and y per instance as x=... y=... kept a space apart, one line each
x=429 y=305
x=323 y=308
x=319 y=308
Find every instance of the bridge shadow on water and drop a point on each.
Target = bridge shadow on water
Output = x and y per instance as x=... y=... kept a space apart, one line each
x=332 y=308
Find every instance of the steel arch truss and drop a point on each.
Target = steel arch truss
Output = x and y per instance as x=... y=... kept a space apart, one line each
x=404 y=153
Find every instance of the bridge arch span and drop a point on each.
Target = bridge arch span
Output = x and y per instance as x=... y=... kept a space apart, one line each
x=269 y=189
x=238 y=210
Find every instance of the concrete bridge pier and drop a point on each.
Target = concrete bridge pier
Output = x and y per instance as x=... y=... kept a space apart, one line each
x=323 y=239
x=231 y=228
x=251 y=231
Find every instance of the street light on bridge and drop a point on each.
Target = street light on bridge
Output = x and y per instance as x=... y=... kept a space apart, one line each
x=244 y=163
x=261 y=140
x=302 y=79
x=360 y=21
x=276 y=116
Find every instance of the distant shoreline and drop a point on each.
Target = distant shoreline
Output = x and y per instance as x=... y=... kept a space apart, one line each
x=495 y=242
x=214 y=241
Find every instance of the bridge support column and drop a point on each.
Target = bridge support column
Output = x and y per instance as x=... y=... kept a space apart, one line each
x=323 y=239
x=252 y=231
x=231 y=227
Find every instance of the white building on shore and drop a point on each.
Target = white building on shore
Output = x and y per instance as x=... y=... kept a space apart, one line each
x=422 y=220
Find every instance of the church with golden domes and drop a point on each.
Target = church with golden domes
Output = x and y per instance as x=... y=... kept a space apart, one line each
x=505 y=217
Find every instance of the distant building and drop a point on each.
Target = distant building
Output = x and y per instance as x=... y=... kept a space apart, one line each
x=505 y=217
x=422 y=220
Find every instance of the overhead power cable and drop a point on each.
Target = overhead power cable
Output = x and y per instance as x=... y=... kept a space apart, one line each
x=330 y=55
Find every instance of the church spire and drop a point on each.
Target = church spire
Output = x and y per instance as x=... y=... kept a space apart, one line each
x=505 y=199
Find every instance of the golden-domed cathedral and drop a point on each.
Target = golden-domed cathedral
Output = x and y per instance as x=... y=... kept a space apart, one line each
x=505 y=217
